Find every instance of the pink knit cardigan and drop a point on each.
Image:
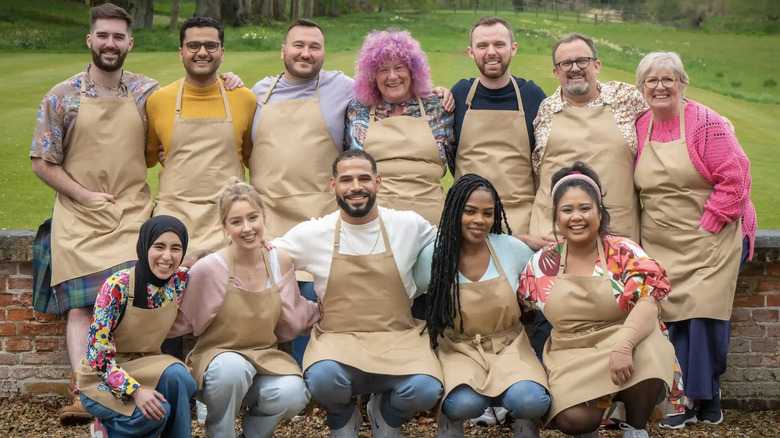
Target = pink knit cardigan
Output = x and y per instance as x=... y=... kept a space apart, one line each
x=718 y=157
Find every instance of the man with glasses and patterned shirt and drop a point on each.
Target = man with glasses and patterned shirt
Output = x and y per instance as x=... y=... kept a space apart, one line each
x=589 y=121
x=201 y=132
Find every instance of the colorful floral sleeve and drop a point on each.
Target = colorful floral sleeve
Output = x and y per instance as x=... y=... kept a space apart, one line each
x=539 y=276
x=109 y=306
x=355 y=125
x=634 y=274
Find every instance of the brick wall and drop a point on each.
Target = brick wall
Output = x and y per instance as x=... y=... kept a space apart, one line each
x=33 y=358
x=752 y=379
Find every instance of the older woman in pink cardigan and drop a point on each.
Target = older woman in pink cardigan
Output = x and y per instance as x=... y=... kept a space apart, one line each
x=697 y=220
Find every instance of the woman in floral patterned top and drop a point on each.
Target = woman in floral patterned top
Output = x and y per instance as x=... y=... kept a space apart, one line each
x=601 y=293
x=131 y=318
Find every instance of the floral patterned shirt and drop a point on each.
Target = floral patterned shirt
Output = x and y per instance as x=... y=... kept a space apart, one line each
x=440 y=121
x=109 y=307
x=59 y=108
x=632 y=273
x=625 y=100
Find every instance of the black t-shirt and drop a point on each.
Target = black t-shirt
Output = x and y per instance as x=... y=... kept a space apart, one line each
x=499 y=99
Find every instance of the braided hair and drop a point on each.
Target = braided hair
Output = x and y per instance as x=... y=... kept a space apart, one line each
x=443 y=297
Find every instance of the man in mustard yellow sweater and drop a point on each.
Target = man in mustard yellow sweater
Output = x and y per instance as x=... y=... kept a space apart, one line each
x=201 y=131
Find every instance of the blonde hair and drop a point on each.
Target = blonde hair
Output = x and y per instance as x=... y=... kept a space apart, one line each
x=237 y=190
x=669 y=61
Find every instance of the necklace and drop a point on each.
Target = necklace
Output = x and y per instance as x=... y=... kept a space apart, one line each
x=349 y=244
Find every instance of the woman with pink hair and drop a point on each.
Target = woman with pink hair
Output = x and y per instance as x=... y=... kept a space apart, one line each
x=395 y=118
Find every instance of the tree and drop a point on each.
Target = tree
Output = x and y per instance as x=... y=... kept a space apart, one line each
x=175 y=14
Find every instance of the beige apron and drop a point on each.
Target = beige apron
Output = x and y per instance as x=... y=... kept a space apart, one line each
x=367 y=318
x=201 y=159
x=702 y=266
x=408 y=160
x=495 y=144
x=244 y=324
x=291 y=162
x=586 y=320
x=105 y=155
x=493 y=352
x=590 y=135
x=137 y=340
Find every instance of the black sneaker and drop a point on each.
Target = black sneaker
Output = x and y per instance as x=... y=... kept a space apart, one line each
x=710 y=417
x=680 y=420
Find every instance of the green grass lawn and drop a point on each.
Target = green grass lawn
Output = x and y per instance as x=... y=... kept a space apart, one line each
x=25 y=201
x=42 y=43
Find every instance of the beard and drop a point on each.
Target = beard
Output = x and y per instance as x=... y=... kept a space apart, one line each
x=492 y=75
x=98 y=61
x=578 y=90
x=289 y=65
x=360 y=211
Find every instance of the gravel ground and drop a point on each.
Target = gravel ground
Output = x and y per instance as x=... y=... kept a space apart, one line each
x=23 y=417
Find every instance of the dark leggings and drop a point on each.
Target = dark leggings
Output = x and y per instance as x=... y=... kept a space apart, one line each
x=639 y=400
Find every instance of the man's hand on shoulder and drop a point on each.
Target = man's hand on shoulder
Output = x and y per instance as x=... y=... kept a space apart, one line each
x=232 y=81
x=447 y=101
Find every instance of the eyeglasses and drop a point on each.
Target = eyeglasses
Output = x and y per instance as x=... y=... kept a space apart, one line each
x=194 y=46
x=582 y=63
x=667 y=81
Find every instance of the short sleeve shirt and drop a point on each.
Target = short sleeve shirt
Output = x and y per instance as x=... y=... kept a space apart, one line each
x=59 y=109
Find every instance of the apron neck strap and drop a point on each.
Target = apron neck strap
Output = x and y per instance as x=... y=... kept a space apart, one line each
x=495 y=258
x=682 y=123
x=599 y=247
x=221 y=90
x=83 y=87
x=473 y=91
x=372 y=112
x=231 y=262
x=337 y=235
x=131 y=286
x=271 y=88
x=273 y=85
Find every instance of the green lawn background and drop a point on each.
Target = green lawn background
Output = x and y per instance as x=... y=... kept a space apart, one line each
x=26 y=76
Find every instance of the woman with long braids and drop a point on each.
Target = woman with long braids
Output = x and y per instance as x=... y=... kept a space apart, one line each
x=472 y=316
x=602 y=295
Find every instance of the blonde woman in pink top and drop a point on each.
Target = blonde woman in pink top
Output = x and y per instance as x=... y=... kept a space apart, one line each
x=240 y=301
x=697 y=220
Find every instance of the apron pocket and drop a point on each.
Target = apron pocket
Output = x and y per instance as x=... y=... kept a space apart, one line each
x=95 y=216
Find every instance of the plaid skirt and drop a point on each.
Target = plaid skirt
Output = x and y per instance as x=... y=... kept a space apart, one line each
x=77 y=292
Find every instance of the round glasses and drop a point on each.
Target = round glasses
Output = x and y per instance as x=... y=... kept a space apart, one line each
x=194 y=46
x=582 y=63
x=667 y=81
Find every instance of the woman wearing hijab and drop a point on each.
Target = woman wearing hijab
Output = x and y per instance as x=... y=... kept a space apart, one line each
x=125 y=382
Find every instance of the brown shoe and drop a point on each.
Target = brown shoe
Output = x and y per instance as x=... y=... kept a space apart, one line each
x=74 y=414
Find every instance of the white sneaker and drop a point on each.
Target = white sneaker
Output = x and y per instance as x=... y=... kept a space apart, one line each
x=490 y=417
x=350 y=430
x=630 y=432
x=447 y=428
x=378 y=425
x=525 y=428
x=200 y=408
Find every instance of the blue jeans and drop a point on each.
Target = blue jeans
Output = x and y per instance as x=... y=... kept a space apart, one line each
x=333 y=385
x=299 y=344
x=524 y=399
x=176 y=385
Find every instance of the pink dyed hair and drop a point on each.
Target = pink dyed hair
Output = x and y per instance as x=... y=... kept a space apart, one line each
x=381 y=46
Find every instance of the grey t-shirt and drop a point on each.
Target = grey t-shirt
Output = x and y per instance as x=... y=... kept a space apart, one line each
x=336 y=90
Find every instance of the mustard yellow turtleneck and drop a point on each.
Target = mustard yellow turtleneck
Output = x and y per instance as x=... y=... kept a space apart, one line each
x=198 y=102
